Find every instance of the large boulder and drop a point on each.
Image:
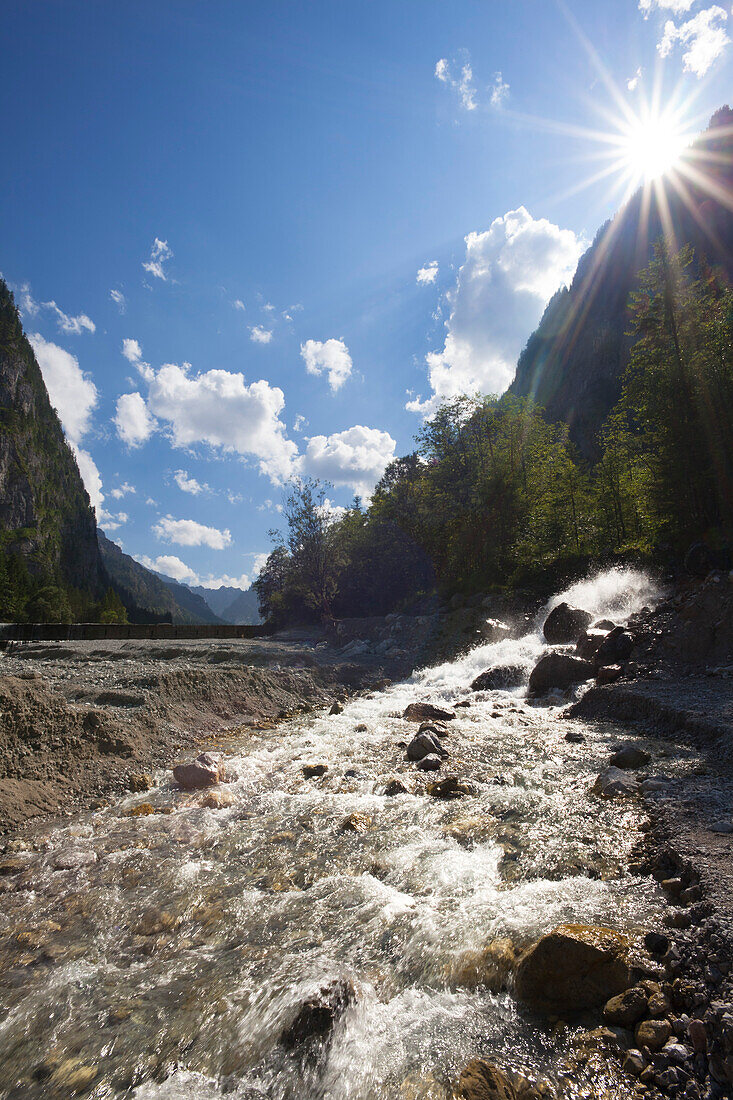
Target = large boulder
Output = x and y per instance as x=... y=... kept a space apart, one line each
x=205 y=771
x=589 y=643
x=317 y=1014
x=629 y=756
x=484 y=1081
x=615 y=647
x=573 y=968
x=501 y=676
x=427 y=712
x=558 y=670
x=565 y=624
x=425 y=744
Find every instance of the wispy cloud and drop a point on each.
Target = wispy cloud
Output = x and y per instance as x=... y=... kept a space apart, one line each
x=160 y=253
x=457 y=74
x=119 y=299
x=704 y=36
x=189 y=484
x=260 y=335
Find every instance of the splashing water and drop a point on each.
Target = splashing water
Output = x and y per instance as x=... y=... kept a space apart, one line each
x=169 y=962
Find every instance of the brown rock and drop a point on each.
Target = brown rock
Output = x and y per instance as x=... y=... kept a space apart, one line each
x=565 y=624
x=139 y=781
x=626 y=1008
x=609 y=674
x=450 y=787
x=698 y=1036
x=574 y=967
x=653 y=1033
x=217 y=800
x=314 y=771
x=489 y=968
x=143 y=809
x=73 y=1076
x=155 y=921
x=658 y=1005
x=484 y=1081
x=355 y=823
x=558 y=670
x=205 y=771
x=396 y=786
x=427 y=712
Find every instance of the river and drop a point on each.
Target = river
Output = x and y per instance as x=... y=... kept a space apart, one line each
x=162 y=956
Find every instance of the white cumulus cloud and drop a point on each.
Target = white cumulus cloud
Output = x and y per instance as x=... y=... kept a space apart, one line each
x=330 y=357
x=356 y=457
x=704 y=36
x=91 y=477
x=219 y=408
x=187 y=532
x=260 y=335
x=132 y=419
x=72 y=393
x=72 y=326
x=428 y=273
x=122 y=490
x=510 y=272
x=679 y=7
x=188 y=484
x=171 y=566
x=160 y=253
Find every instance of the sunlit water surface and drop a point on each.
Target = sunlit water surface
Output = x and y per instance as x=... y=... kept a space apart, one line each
x=172 y=963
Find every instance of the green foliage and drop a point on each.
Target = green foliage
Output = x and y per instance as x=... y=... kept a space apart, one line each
x=495 y=495
x=112 y=609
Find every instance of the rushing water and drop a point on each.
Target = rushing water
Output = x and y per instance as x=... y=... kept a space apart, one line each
x=169 y=965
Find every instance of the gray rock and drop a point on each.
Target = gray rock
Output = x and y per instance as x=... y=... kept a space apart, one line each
x=429 y=763
x=424 y=744
x=565 y=624
x=427 y=712
x=614 y=783
x=558 y=670
x=71 y=859
x=501 y=676
x=628 y=756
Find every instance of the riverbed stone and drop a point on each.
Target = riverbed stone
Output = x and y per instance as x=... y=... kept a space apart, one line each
x=558 y=670
x=73 y=1076
x=609 y=674
x=424 y=744
x=634 y=1062
x=396 y=786
x=574 y=967
x=498 y=677
x=449 y=788
x=653 y=1034
x=355 y=823
x=429 y=763
x=482 y=1080
x=205 y=771
x=314 y=771
x=138 y=782
x=615 y=783
x=615 y=647
x=427 y=712
x=628 y=756
x=317 y=1015
x=490 y=968
x=565 y=624
x=627 y=1008
x=71 y=859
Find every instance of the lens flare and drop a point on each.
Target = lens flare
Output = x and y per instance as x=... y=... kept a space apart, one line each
x=651 y=146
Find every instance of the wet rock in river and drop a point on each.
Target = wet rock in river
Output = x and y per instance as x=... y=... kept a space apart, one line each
x=565 y=624
x=615 y=647
x=490 y=968
x=438 y=729
x=396 y=786
x=627 y=1008
x=629 y=756
x=589 y=643
x=205 y=771
x=615 y=783
x=429 y=763
x=139 y=781
x=448 y=788
x=501 y=676
x=217 y=800
x=427 y=712
x=653 y=1033
x=484 y=1081
x=73 y=1076
x=574 y=967
x=318 y=1014
x=71 y=859
x=155 y=921
x=336 y=708
x=575 y=737
x=425 y=744
x=355 y=823
x=609 y=674
x=314 y=771
x=558 y=670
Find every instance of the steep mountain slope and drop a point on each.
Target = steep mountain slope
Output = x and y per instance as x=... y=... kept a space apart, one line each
x=574 y=362
x=151 y=595
x=218 y=599
x=45 y=513
x=244 y=610
x=190 y=601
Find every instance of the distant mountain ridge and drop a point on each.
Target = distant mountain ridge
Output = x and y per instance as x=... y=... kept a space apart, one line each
x=573 y=363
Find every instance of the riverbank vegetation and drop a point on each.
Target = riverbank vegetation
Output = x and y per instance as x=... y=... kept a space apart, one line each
x=495 y=495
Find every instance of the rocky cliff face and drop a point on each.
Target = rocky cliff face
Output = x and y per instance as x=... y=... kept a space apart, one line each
x=573 y=364
x=45 y=513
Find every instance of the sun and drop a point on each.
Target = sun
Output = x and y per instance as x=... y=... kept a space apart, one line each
x=651 y=145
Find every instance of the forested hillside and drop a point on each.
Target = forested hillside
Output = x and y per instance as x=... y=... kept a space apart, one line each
x=574 y=363
x=496 y=494
x=50 y=566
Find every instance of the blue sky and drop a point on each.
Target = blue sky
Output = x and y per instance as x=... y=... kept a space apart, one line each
x=252 y=240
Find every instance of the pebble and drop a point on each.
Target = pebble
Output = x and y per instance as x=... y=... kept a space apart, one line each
x=653 y=1033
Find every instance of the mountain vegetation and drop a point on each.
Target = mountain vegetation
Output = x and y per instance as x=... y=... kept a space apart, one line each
x=497 y=494
x=574 y=364
x=50 y=565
